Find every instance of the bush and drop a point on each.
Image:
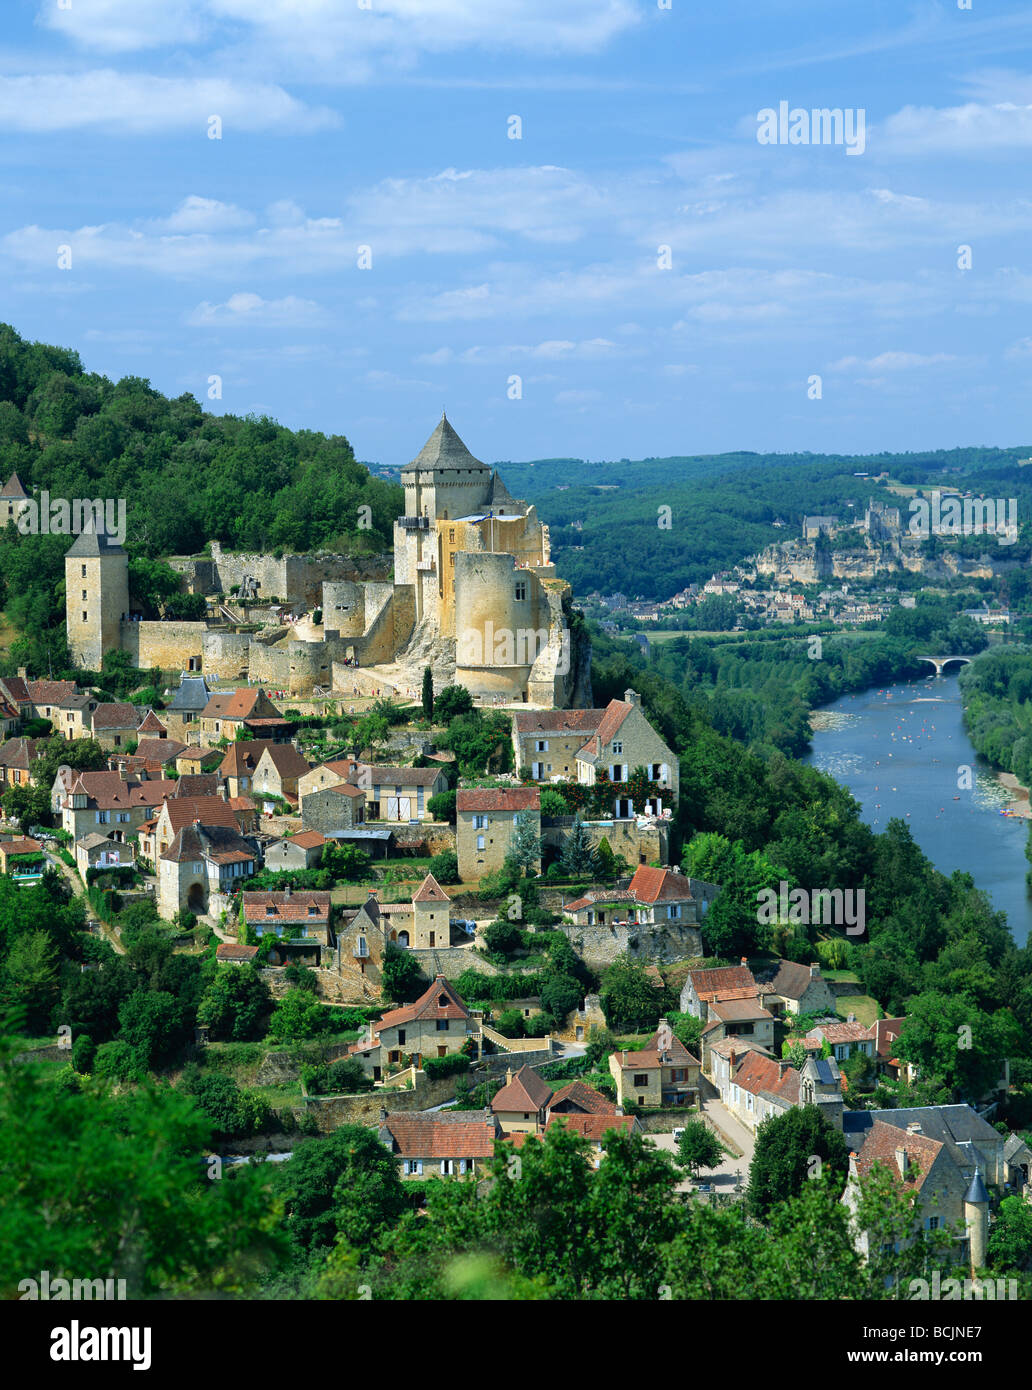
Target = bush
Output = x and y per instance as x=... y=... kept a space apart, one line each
x=303 y=977
x=503 y=937
x=445 y=867
x=84 y=1050
x=442 y=806
x=344 y=1077
x=297 y=1016
x=452 y=1065
x=117 y=1061
x=510 y=1023
x=560 y=994
x=452 y=701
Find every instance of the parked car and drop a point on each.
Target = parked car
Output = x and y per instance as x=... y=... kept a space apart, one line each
x=677 y=1134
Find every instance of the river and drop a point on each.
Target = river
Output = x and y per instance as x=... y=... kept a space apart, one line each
x=898 y=751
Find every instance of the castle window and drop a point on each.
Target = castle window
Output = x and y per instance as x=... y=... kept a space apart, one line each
x=84 y=571
x=85 y=595
x=521 y=591
x=451 y=535
x=85 y=617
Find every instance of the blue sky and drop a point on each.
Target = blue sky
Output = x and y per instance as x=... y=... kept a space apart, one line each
x=387 y=126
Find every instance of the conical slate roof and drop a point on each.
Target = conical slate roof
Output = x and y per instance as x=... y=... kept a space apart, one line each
x=13 y=488
x=94 y=543
x=499 y=495
x=444 y=449
x=976 y=1193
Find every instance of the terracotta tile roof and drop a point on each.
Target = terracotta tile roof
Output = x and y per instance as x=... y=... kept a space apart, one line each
x=306 y=839
x=881 y=1144
x=739 y=1010
x=241 y=803
x=208 y=810
x=218 y=843
x=739 y=1046
x=231 y=951
x=153 y=725
x=242 y=757
x=676 y=1055
x=287 y=761
x=196 y=784
x=117 y=715
x=499 y=799
x=287 y=908
x=526 y=1092
x=17 y=689
x=615 y=714
x=380 y=775
x=593 y=1127
x=106 y=791
x=651 y=885
x=194 y=754
x=430 y=891
x=426 y=1006
x=724 y=995
x=343 y=767
x=599 y=895
x=558 y=721
x=18 y=752
x=158 y=750
x=886 y=1035
x=13 y=488
x=51 y=692
x=343 y=789
x=232 y=704
x=583 y=1098
x=792 y=979
x=422 y=1134
x=25 y=845
x=722 y=977
x=756 y=1073
x=842 y=1032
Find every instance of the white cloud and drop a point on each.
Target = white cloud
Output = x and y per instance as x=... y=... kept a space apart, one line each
x=577 y=397
x=140 y=104
x=251 y=310
x=974 y=129
x=893 y=361
x=329 y=34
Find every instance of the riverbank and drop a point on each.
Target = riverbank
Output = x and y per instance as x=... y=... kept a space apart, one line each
x=1020 y=805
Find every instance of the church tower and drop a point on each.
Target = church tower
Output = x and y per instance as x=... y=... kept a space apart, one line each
x=96 y=597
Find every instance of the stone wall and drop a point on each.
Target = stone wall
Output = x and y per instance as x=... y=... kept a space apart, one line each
x=437 y=836
x=598 y=947
x=330 y=1112
x=291 y=578
x=226 y=654
x=166 y=644
x=451 y=961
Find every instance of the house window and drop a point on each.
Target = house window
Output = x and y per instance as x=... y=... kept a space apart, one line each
x=617 y=746
x=479 y=822
x=85 y=596
x=521 y=591
x=541 y=746
x=401 y=1036
x=85 y=617
x=103 y=817
x=481 y=842
x=84 y=571
x=674 y=911
x=641 y=1078
x=451 y=533
x=442 y=1025
x=413 y=1167
x=933 y=1223
x=841 y=1053
x=123 y=816
x=447 y=1167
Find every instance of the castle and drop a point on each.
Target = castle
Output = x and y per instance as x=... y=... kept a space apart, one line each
x=473 y=594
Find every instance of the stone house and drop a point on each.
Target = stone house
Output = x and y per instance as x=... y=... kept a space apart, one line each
x=116 y=724
x=298 y=919
x=278 y=770
x=594 y=1129
x=115 y=803
x=797 y=989
x=300 y=851
x=755 y=1086
x=152 y=727
x=151 y=758
x=577 y=1098
x=201 y=862
x=845 y=1039
x=96 y=851
x=14 y=501
x=735 y=1014
x=195 y=759
x=240 y=763
x=72 y=717
x=400 y=794
x=623 y=741
x=662 y=1075
x=484 y=823
x=9 y=718
x=599 y=907
x=335 y=808
x=23 y=858
x=441 y=1143
x=175 y=813
x=520 y=1106
x=328 y=774
x=668 y=895
x=701 y=985
x=436 y=1024
x=233 y=953
x=972 y=1142
x=16 y=757
x=546 y=742
x=229 y=713
x=182 y=715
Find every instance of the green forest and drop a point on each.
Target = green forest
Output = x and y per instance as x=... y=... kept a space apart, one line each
x=188 y=477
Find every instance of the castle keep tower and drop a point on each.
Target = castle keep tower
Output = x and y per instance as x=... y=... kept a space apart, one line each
x=96 y=597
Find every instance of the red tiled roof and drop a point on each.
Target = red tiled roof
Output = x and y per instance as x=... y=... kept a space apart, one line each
x=292 y=908
x=593 y=1127
x=722 y=977
x=208 y=810
x=615 y=714
x=232 y=704
x=106 y=791
x=226 y=950
x=881 y=1144
x=650 y=885
x=599 y=895
x=430 y=1136
x=242 y=757
x=676 y=1055
x=13 y=488
x=739 y=1010
x=756 y=1072
x=499 y=799
x=843 y=1032
x=558 y=721
x=158 y=750
x=343 y=789
x=116 y=715
x=25 y=845
x=153 y=725
x=51 y=692
x=430 y=891
x=287 y=761
x=526 y=1092
x=426 y=1006
x=306 y=839
x=582 y=1098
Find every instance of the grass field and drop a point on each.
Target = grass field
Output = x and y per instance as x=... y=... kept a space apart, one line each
x=866 y=1009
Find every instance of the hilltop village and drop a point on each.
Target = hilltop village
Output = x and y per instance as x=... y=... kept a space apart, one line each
x=440 y=889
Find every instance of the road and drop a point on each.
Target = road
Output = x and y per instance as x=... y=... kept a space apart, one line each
x=732 y=1170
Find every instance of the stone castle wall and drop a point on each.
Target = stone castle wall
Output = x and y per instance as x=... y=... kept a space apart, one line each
x=598 y=947
x=169 y=645
x=290 y=578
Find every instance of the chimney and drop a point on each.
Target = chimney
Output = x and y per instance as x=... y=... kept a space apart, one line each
x=286 y=891
x=914 y=1128
x=901 y=1160
x=745 y=962
x=854 y=1171
x=851 y=1018
x=383 y=1115
x=123 y=771
x=782 y=1067
x=631 y=697
x=731 y=1058
x=815 y=970
x=23 y=672
x=508 y=1075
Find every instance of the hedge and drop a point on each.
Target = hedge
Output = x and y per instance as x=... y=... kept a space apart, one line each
x=451 y=1065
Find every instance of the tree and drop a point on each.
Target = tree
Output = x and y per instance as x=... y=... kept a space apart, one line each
x=698 y=1147
x=1010 y=1237
x=445 y=866
x=297 y=1016
x=452 y=701
x=560 y=994
x=234 y=1004
x=29 y=979
x=153 y=1024
x=577 y=858
x=346 y=1184
x=629 y=998
x=28 y=805
x=553 y=803
x=785 y=1153
x=342 y=861
x=950 y=1037
x=525 y=843
x=402 y=980
x=503 y=936
x=442 y=807
x=428 y=692
x=84 y=1050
